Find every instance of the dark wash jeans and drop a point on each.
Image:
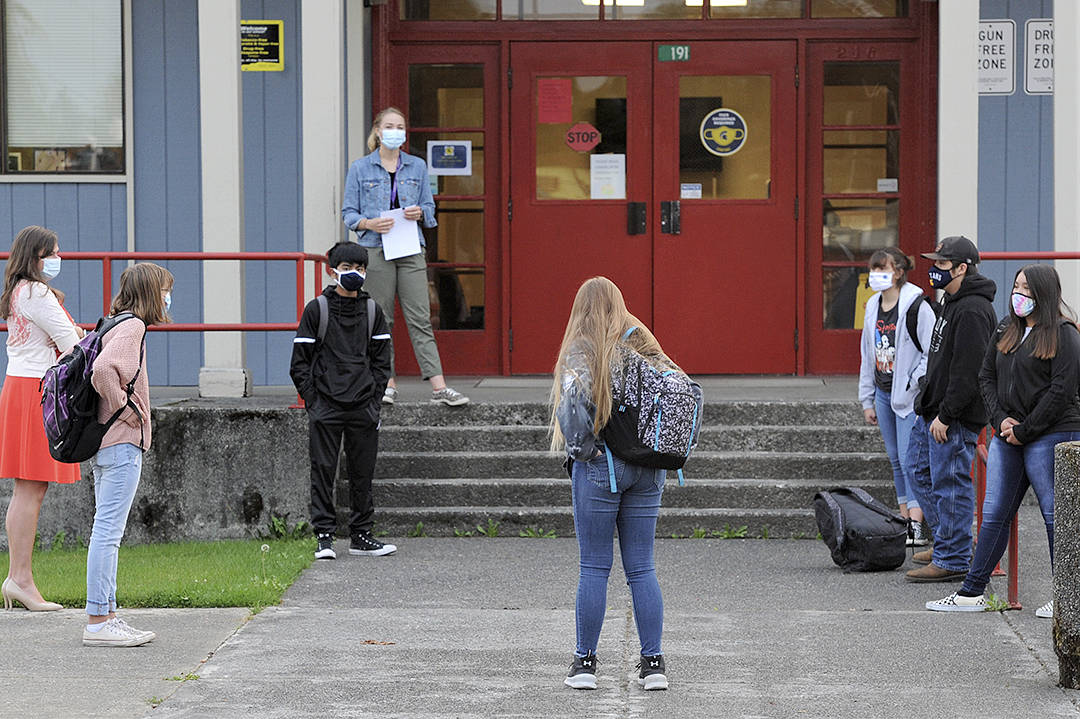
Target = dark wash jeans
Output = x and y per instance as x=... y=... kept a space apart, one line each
x=597 y=513
x=1010 y=470
x=941 y=475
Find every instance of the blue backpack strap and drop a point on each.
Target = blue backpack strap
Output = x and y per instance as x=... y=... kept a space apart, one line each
x=626 y=335
x=611 y=470
x=682 y=481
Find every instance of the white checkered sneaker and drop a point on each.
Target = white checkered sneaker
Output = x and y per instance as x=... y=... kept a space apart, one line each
x=955 y=603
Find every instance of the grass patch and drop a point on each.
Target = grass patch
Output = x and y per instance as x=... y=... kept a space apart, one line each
x=182 y=574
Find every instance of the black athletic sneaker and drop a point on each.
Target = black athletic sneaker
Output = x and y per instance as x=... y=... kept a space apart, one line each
x=652 y=676
x=326 y=547
x=365 y=544
x=582 y=672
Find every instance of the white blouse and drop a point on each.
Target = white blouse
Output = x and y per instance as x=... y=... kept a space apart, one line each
x=38 y=329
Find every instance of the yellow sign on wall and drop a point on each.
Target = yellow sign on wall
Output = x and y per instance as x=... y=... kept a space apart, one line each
x=262 y=45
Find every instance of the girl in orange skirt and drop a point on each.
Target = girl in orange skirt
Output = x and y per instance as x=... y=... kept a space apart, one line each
x=39 y=330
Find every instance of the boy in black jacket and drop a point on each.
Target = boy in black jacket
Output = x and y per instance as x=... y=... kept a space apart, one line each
x=949 y=409
x=340 y=366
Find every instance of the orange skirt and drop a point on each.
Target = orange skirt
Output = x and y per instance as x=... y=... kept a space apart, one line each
x=24 y=450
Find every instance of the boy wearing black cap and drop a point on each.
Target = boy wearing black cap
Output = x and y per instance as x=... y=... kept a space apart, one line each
x=340 y=366
x=950 y=409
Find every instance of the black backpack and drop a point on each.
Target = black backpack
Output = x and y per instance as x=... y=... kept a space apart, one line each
x=912 y=319
x=862 y=533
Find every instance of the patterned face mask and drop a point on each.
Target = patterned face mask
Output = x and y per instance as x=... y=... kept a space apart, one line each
x=1022 y=304
x=880 y=281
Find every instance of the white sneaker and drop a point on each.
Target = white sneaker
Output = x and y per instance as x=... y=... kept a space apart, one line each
x=124 y=624
x=448 y=396
x=1046 y=611
x=116 y=633
x=389 y=395
x=955 y=603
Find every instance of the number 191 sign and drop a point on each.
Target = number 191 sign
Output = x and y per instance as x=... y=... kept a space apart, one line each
x=674 y=53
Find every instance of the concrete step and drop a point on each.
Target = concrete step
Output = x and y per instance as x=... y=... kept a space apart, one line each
x=526 y=492
x=844 y=466
x=745 y=413
x=512 y=521
x=731 y=438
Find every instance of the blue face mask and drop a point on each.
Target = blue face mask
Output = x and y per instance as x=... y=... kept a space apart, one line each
x=939 y=277
x=50 y=267
x=351 y=280
x=393 y=139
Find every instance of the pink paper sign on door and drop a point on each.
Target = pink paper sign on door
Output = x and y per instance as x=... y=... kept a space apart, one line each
x=554 y=100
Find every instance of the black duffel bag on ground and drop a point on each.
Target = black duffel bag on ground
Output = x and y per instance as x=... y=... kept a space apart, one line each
x=862 y=533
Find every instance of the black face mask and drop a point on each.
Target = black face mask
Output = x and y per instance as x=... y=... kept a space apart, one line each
x=351 y=280
x=939 y=277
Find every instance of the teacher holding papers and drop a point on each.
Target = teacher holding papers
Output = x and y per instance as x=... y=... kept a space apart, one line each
x=387 y=196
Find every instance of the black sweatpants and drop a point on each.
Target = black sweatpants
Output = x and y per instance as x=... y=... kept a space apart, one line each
x=326 y=429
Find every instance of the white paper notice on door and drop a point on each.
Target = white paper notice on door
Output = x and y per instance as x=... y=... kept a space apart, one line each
x=607 y=175
x=403 y=239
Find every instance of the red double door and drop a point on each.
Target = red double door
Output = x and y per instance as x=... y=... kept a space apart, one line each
x=671 y=169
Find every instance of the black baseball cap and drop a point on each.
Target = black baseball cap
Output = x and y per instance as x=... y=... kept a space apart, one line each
x=955 y=249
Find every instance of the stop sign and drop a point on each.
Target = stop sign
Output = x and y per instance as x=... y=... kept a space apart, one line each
x=582 y=137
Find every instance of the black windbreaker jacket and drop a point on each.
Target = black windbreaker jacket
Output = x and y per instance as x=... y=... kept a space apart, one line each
x=1039 y=394
x=347 y=370
x=950 y=388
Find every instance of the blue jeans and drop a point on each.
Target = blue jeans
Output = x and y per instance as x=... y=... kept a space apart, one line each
x=1010 y=469
x=896 y=431
x=633 y=509
x=942 y=484
x=116 y=477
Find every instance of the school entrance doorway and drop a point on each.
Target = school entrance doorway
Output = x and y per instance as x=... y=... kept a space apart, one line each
x=671 y=169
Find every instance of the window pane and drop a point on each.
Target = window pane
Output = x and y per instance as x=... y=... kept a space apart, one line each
x=856 y=161
x=650 y=9
x=549 y=10
x=862 y=93
x=457 y=297
x=563 y=173
x=859 y=8
x=852 y=230
x=840 y=297
x=453 y=184
x=65 y=85
x=725 y=137
x=446 y=95
x=754 y=8
x=447 y=9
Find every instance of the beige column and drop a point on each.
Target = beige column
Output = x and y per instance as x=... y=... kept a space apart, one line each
x=1067 y=145
x=224 y=372
x=323 y=78
x=958 y=119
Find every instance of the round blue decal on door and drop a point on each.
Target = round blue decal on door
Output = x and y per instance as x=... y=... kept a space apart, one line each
x=723 y=132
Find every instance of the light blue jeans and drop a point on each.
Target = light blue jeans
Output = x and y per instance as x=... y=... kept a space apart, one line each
x=116 y=477
x=598 y=511
x=896 y=431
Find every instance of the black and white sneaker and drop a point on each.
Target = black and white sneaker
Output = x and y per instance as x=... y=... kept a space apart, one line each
x=582 y=672
x=326 y=547
x=652 y=676
x=365 y=545
x=916 y=534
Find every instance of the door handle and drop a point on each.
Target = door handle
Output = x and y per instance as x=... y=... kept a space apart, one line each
x=670 y=217
x=636 y=218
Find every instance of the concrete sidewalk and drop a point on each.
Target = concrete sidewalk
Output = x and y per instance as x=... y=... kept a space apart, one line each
x=481 y=627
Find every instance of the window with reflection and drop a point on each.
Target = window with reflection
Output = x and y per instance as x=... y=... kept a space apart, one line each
x=447 y=9
x=858 y=8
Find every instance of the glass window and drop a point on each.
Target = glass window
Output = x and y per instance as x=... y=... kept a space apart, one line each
x=858 y=8
x=725 y=137
x=855 y=161
x=862 y=93
x=448 y=9
x=727 y=9
x=550 y=10
x=64 y=79
x=457 y=293
x=446 y=95
x=854 y=229
x=562 y=172
x=650 y=10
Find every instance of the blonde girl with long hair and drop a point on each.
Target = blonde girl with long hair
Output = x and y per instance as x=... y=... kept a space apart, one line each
x=389 y=179
x=599 y=335
x=144 y=299
x=39 y=330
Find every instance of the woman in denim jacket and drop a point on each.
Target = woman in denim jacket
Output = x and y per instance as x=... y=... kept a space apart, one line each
x=388 y=179
x=581 y=406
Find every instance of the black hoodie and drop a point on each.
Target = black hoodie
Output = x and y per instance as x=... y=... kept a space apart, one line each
x=950 y=388
x=347 y=370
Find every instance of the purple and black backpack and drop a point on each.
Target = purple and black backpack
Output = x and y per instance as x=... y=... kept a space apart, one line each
x=69 y=403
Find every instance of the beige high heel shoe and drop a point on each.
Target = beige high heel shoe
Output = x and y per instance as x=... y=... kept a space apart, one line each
x=12 y=592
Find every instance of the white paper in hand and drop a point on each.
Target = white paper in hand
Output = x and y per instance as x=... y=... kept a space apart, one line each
x=403 y=239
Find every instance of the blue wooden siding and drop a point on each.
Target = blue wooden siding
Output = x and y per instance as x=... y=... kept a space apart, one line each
x=1016 y=169
x=86 y=217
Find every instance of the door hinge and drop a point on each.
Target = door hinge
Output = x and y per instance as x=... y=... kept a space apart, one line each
x=796 y=339
x=796 y=76
x=511 y=339
x=510 y=78
x=796 y=207
x=509 y=210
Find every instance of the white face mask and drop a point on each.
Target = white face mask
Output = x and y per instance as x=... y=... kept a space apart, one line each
x=881 y=281
x=50 y=267
x=393 y=138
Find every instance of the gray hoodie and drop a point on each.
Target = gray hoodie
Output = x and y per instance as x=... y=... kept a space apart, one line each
x=910 y=364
